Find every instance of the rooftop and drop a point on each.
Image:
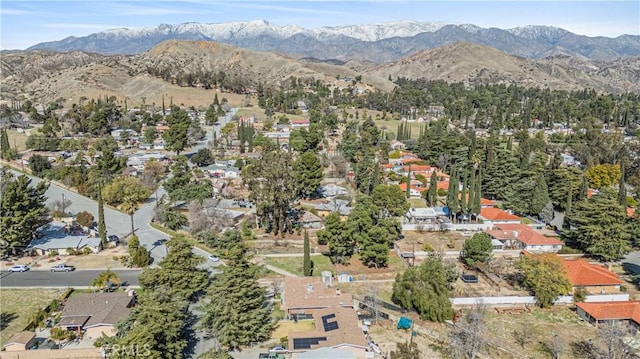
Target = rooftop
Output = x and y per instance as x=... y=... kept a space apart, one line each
x=522 y=233
x=312 y=293
x=496 y=214
x=103 y=308
x=334 y=328
x=55 y=235
x=581 y=272
x=612 y=310
x=20 y=338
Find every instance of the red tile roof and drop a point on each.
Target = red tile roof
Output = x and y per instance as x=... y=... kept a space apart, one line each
x=581 y=272
x=612 y=310
x=299 y=122
x=410 y=160
x=419 y=168
x=486 y=202
x=403 y=187
x=523 y=233
x=496 y=214
x=631 y=212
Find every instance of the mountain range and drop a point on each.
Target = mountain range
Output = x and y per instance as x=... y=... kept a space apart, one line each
x=378 y=43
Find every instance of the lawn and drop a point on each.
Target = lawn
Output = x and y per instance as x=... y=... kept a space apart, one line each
x=18 y=305
x=294 y=264
x=417 y=203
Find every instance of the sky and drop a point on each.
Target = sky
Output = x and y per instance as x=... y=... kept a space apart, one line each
x=26 y=22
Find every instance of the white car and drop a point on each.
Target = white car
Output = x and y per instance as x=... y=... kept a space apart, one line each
x=214 y=258
x=19 y=268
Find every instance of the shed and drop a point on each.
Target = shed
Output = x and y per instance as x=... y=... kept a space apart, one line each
x=20 y=341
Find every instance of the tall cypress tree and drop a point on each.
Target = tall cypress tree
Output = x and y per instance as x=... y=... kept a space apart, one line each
x=102 y=227
x=433 y=189
x=540 y=196
x=584 y=189
x=306 y=261
x=477 y=198
x=463 y=193
x=452 y=195
x=409 y=182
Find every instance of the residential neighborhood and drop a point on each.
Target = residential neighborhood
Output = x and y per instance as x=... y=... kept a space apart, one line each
x=321 y=218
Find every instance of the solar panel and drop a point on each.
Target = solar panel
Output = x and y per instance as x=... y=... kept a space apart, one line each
x=306 y=343
x=329 y=326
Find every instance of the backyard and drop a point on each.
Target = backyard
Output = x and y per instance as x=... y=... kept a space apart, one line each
x=18 y=307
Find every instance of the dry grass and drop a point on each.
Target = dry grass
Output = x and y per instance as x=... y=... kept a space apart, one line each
x=18 y=305
x=439 y=241
x=17 y=139
x=284 y=328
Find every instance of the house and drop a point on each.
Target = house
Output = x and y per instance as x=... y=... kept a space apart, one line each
x=335 y=328
x=20 y=341
x=598 y=312
x=332 y=190
x=130 y=171
x=421 y=215
x=338 y=205
x=520 y=236
x=303 y=297
x=298 y=124
x=96 y=313
x=310 y=220
x=397 y=145
x=323 y=353
x=594 y=278
x=496 y=215
x=58 y=237
x=413 y=191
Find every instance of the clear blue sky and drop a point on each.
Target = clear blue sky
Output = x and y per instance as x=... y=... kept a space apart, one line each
x=27 y=22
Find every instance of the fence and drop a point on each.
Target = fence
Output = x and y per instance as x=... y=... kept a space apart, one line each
x=514 y=300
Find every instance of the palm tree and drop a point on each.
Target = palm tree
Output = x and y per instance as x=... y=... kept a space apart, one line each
x=130 y=206
x=104 y=279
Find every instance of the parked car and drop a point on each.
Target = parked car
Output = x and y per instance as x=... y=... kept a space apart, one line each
x=19 y=268
x=62 y=268
x=214 y=258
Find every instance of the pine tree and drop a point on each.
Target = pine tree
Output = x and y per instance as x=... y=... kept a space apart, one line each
x=102 y=227
x=6 y=152
x=569 y=203
x=235 y=313
x=540 y=196
x=306 y=261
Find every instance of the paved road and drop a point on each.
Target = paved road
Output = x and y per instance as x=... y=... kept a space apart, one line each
x=46 y=279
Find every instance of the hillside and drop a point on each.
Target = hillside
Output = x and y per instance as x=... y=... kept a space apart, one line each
x=476 y=64
x=45 y=76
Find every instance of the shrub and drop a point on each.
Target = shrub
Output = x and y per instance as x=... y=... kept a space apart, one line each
x=71 y=251
x=428 y=248
x=86 y=251
x=580 y=294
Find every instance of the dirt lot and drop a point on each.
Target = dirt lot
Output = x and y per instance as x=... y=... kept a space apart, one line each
x=439 y=241
x=283 y=328
x=18 y=305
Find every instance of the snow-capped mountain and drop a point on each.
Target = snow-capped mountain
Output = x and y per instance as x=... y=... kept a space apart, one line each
x=372 y=42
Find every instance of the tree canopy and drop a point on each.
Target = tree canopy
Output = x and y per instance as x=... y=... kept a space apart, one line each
x=546 y=276
x=477 y=249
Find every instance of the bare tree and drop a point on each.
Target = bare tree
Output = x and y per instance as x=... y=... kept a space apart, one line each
x=556 y=346
x=61 y=205
x=610 y=340
x=207 y=217
x=469 y=337
x=523 y=333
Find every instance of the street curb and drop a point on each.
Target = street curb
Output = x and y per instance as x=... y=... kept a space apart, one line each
x=81 y=270
x=62 y=287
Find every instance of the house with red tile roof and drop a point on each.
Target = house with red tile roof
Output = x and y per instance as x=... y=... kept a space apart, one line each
x=599 y=312
x=521 y=236
x=413 y=191
x=594 y=278
x=631 y=212
x=497 y=215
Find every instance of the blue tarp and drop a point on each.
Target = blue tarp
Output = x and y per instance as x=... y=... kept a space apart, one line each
x=404 y=323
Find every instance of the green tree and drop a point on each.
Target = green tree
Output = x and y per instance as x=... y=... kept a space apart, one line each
x=39 y=165
x=273 y=188
x=102 y=226
x=540 y=196
x=179 y=271
x=599 y=227
x=390 y=200
x=22 y=208
x=138 y=256
x=125 y=190
x=335 y=234
x=432 y=194
x=6 y=152
x=203 y=157
x=308 y=174
x=425 y=288
x=235 y=313
x=477 y=249
x=306 y=260
x=546 y=276
x=176 y=137
x=150 y=134
x=105 y=279
x=156 y=326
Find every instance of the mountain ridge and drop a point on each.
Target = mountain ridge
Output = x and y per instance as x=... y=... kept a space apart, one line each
x=378 y=43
